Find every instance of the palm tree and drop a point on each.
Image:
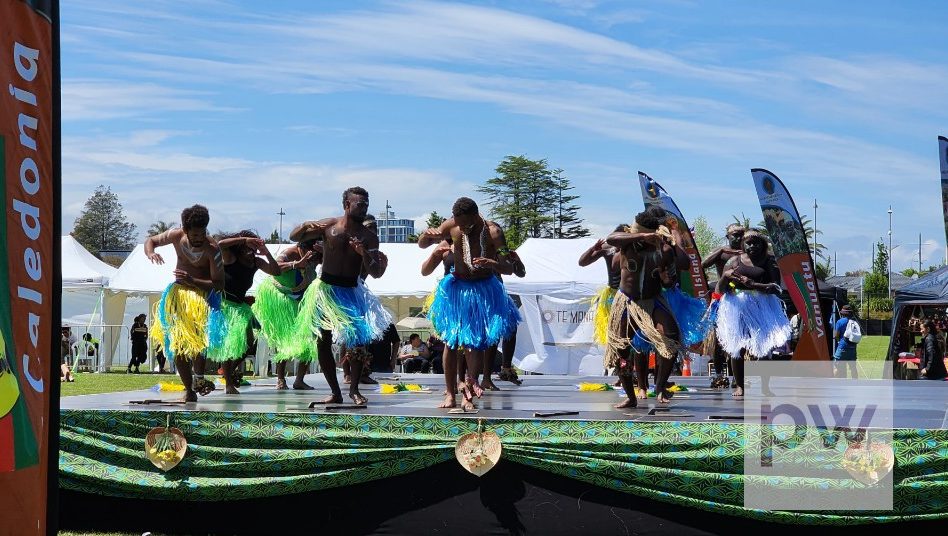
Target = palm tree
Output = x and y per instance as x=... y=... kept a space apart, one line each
x=160 y=226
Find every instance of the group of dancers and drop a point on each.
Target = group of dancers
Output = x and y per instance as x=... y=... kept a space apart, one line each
x=316 y=296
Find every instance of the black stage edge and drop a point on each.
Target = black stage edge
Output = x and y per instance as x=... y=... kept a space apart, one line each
x=441 y=500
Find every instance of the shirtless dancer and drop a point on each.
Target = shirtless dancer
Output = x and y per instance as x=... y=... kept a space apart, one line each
x=640 y=319
x=718 y=258
x=277 y=307
x=471 y=308
x=601 y=250
x=184 y=314
x=243 y=254
x=345 y=310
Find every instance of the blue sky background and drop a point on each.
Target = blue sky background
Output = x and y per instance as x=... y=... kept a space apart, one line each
x=248 y=109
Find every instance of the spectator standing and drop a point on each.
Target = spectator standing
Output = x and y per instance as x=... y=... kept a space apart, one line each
x=933 y=353
x=845 y=354
x=139 y=336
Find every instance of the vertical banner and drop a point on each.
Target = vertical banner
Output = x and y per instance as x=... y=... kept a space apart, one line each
x=692 y=282
x=29 y=261
x=795 y=262
x=943 y=162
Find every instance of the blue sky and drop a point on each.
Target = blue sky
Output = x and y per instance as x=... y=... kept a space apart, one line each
x=248 y=109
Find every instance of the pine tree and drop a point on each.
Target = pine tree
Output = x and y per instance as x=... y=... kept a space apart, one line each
x=530 y=200
x=566 y=223
x=102 y=225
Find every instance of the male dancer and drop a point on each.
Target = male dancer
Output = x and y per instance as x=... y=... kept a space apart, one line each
x=185 y=324
x=277 y=307
x=471 y=309
x=601 y=250
x=345 y=311
x=640 y=319
x=719 y=258
x=243 y=254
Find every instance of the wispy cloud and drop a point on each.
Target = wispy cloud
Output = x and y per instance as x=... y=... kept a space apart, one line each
x=100 y=99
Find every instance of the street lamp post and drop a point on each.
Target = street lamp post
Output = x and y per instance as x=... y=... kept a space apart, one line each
x=281 y=214
x=889 y=274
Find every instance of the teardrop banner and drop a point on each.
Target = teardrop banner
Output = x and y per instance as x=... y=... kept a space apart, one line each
x=943 y=164
x=29 y=264
x=692 y=282
x=797 y=269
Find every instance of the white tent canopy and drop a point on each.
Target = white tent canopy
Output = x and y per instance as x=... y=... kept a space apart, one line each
x=82 y=269
x=401 y=288
x=553 y=269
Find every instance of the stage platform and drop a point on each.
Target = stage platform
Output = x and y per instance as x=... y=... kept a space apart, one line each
x=266 y=444
x=918 y=404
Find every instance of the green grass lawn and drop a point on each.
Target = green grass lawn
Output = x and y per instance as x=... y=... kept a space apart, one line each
x=873 y=348
x=88 y=383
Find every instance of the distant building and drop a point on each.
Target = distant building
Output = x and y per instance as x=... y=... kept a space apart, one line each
x=392 y=229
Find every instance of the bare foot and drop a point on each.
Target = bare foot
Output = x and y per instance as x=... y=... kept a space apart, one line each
x=631 y=402
x=466 y=391
x=368 y=380
x=301 y=386
x=346 y=380
x=488 y=385
x=449 y=401
x=738 y=392
x=468 y=405
x=281 y=384
x=190 y=396
x=474 y=386
x=663 y=397
x=203 y=386
x=358 y=399
x=332 y=399
x=641 y=393
x=231 y=390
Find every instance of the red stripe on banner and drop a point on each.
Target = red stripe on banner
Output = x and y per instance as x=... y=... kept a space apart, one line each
x=7 y=460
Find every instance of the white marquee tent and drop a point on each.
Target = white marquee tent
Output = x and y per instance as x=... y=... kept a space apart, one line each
x=139 y=283
x=557 y=293
x=84 y=277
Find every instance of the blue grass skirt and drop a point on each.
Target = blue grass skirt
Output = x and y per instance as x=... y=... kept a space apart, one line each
x=752 y=321
x=473 y=314
x=690 y=314
x=353 y=315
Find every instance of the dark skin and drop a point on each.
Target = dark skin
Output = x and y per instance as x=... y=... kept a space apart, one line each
x=349 y=248
x=485 y=264
x=510 y=342
x=601 y=250
x=205 y=274
x=719 y=257
x=649 y=258
x=294 y=258
x=248 y=252
x=755 y=256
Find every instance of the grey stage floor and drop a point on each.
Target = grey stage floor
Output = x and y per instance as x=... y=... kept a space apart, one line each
x=914 y=404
